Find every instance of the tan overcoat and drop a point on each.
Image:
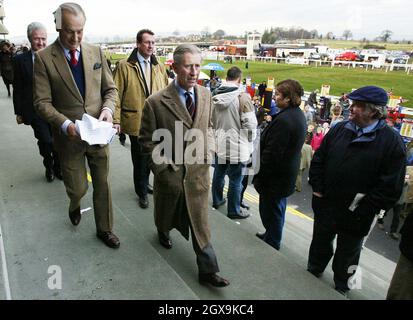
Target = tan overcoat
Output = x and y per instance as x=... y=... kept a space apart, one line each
x=178 y=185
x=133 y=90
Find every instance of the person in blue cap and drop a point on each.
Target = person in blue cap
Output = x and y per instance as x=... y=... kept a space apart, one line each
x=358 y=170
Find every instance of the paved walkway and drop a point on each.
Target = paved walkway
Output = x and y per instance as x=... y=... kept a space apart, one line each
x=38 y=242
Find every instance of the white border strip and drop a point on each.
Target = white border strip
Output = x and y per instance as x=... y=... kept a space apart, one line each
x=4 y=267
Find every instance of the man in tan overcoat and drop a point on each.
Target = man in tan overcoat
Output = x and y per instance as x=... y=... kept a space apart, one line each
x=176 y=124
x=73 y=78
x=136 y=79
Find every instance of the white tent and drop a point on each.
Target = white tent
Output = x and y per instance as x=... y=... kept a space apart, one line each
x=203 y=76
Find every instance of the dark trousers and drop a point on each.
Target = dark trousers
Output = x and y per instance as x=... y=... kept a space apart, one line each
x=206 y=259
x=272 y=213
x=122 y=137
x=346 y=257
x=244 y=186
x=234 y=172
x=141 y=170
x=43 y=134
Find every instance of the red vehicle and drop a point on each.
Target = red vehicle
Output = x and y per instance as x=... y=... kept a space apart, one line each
x=347 y=56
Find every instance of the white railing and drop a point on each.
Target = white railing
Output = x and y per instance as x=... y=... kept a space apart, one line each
x=317 y=62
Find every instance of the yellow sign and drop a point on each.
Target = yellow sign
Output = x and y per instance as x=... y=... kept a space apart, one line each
x=325 y=90
x=270 y=83
x=407 y=129
x=394 y=101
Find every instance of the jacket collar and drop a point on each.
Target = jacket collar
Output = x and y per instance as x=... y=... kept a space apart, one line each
x=172 y=101
x=366 y=137
x=133 y=58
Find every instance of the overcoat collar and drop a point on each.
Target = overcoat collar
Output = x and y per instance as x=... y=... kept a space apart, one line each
x=172 y=101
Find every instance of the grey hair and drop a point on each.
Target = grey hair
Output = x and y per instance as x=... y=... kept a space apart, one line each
x=71 y=7
x=381 y=111
x=185 y=48
x=34 y=26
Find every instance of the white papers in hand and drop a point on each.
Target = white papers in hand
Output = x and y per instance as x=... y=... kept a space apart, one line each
x=94 y=131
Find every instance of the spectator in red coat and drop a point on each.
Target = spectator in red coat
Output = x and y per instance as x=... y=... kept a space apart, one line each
x=317 y=139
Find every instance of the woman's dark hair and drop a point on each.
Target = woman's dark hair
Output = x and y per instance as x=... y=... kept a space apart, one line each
x=291 y=89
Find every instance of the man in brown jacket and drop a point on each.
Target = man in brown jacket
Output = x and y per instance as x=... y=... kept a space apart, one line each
x=176 y=125
x=137 y=78
x=73 y=78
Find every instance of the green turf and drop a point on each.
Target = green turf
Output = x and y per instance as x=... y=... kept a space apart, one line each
x=341 y=79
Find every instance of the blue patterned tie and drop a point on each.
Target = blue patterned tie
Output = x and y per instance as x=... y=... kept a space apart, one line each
x=190 y=105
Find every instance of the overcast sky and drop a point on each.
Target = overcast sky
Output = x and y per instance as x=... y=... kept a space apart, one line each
x=365 y=18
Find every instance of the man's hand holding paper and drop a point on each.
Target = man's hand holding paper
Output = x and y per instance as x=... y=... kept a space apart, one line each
x=94 y=131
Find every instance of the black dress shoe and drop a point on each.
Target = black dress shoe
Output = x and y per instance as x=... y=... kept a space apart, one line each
x=75 y=216
x=143 y=202
x=241 y=215
x=213 y=279
x=217 y=205
x=150 y=189
x=315 y=273
x=260 y=235
x=244 y=205
x=58 y=174
x=109 y=238
x=164 y=240
x=49 y=174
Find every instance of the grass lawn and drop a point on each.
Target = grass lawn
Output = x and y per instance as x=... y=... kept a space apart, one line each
x=340 y=79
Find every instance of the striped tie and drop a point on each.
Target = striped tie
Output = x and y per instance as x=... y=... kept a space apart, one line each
x=190 y=105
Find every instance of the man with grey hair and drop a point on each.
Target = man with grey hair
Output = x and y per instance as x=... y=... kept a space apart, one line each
x=23 y=100
x=358 y=170
x=73 y=78
x=181 y=115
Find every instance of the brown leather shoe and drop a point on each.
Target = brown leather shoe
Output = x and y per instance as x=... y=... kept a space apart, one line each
x=75 y=216
x=109 y=238
x=213 y=279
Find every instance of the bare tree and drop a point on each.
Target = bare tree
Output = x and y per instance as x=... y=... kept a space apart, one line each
x=176 y=33
x=329 y=35
x=386 y=35
x=347 y=34
x=219 y=34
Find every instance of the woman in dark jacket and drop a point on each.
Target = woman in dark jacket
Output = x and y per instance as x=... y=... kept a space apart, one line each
x=280 y=150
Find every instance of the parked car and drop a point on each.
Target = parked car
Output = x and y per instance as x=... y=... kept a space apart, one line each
x=348 y=56
x=400 y=61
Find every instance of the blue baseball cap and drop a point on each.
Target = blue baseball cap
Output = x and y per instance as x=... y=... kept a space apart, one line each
x=371 y=94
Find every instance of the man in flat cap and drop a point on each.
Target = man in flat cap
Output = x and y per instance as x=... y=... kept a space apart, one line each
x=357 y=171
